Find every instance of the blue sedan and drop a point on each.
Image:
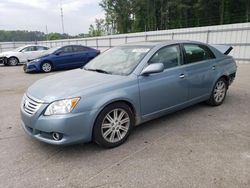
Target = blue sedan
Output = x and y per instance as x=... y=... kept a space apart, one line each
x=66 y=57
x=123 y=87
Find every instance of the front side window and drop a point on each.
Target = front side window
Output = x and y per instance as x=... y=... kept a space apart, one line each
x=196 y=53
x=169 y=56
x=119 y=60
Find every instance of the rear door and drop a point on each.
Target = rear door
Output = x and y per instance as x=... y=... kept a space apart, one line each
x=200 y=68
x=80 y=55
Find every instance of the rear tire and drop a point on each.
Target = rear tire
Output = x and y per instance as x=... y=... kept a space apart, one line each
x=113 y=125
x=12 y=61
x=219 y=93
x=46 y=67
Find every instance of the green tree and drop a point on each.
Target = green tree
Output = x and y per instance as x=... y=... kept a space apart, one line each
x=54 y=36
x=118 y=14
x=146 y=15
x=98 y=29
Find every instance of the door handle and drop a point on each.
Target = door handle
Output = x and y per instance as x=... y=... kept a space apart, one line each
x=182 y=76
x=213 y=67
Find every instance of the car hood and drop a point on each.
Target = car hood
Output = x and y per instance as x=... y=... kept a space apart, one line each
x=67 y=84
x=42 y=56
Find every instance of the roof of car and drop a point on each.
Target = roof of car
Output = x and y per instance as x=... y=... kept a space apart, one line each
x=72 y=45
x=29 y=45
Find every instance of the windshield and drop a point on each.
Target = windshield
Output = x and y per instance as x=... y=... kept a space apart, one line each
x=19 y=49
x=119 y=60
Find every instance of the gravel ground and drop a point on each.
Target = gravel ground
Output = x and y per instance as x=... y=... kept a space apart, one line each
x=200 y=146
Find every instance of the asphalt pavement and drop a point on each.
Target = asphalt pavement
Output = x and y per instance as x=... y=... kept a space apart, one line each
x=200 y=146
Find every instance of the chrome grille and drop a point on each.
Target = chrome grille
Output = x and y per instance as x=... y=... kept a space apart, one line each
x=31 y=106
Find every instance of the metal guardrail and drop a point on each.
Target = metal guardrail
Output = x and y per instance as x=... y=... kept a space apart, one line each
x=236 y=35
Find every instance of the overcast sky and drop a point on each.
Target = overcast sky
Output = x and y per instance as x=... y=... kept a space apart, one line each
x=34 y=15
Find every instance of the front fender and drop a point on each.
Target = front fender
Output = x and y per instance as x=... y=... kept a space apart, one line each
x=20 y=57
x=98 y=100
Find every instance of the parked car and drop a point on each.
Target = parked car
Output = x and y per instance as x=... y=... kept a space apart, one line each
x=66 y=57
x=123 y=87
x=22 y=54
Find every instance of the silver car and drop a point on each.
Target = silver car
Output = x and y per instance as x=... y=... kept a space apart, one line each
x=123 y=87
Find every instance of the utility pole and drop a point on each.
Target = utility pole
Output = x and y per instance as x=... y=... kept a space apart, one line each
x=62 y=16
x=47 y=36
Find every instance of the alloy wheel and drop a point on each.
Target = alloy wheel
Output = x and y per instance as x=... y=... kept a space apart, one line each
x=46 y=67
x=115 y=125
x=13 y=61
x=219 y=91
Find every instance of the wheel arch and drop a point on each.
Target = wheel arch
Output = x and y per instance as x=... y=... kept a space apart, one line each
x=131 y=106
x=125 y=101
x=12 y=56
x=121 y=100
x=44 y=61
x=226 y=77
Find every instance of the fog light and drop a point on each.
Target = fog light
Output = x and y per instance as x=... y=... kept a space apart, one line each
x=57 y=136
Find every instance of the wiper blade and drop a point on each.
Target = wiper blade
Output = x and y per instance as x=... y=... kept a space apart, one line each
x=98 y=70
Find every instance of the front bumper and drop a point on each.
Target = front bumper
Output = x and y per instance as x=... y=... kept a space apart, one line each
x=30 y=68
x=74 y=127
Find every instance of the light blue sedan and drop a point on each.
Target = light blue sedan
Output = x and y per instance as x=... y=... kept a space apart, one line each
x=124 y=87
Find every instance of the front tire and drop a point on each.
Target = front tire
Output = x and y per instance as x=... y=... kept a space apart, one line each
x=46 y=67
x=12 y=61
x=219 y=93
x=113 y=125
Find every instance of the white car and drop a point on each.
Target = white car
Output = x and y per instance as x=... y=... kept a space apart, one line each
x=22 y=54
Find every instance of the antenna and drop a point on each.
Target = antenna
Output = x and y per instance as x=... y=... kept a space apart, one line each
x=62 y=16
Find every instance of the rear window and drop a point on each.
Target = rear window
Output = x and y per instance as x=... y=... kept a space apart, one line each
x=195 y=53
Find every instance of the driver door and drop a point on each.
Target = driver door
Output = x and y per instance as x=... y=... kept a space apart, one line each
x=163 y=91
x=65 y=59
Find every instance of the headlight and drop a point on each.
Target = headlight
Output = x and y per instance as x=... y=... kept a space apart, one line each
x=61 y=107
x=34 y=60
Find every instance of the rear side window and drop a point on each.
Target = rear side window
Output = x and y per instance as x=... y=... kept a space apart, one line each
x=39 y=48
x=79 y=48
x=195 y=53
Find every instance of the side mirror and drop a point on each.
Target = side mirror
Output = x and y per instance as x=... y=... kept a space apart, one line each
x=153 y=68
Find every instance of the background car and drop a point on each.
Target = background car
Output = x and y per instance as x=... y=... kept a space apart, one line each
x=22 y=54
x=123 y=87
x=66 y=57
